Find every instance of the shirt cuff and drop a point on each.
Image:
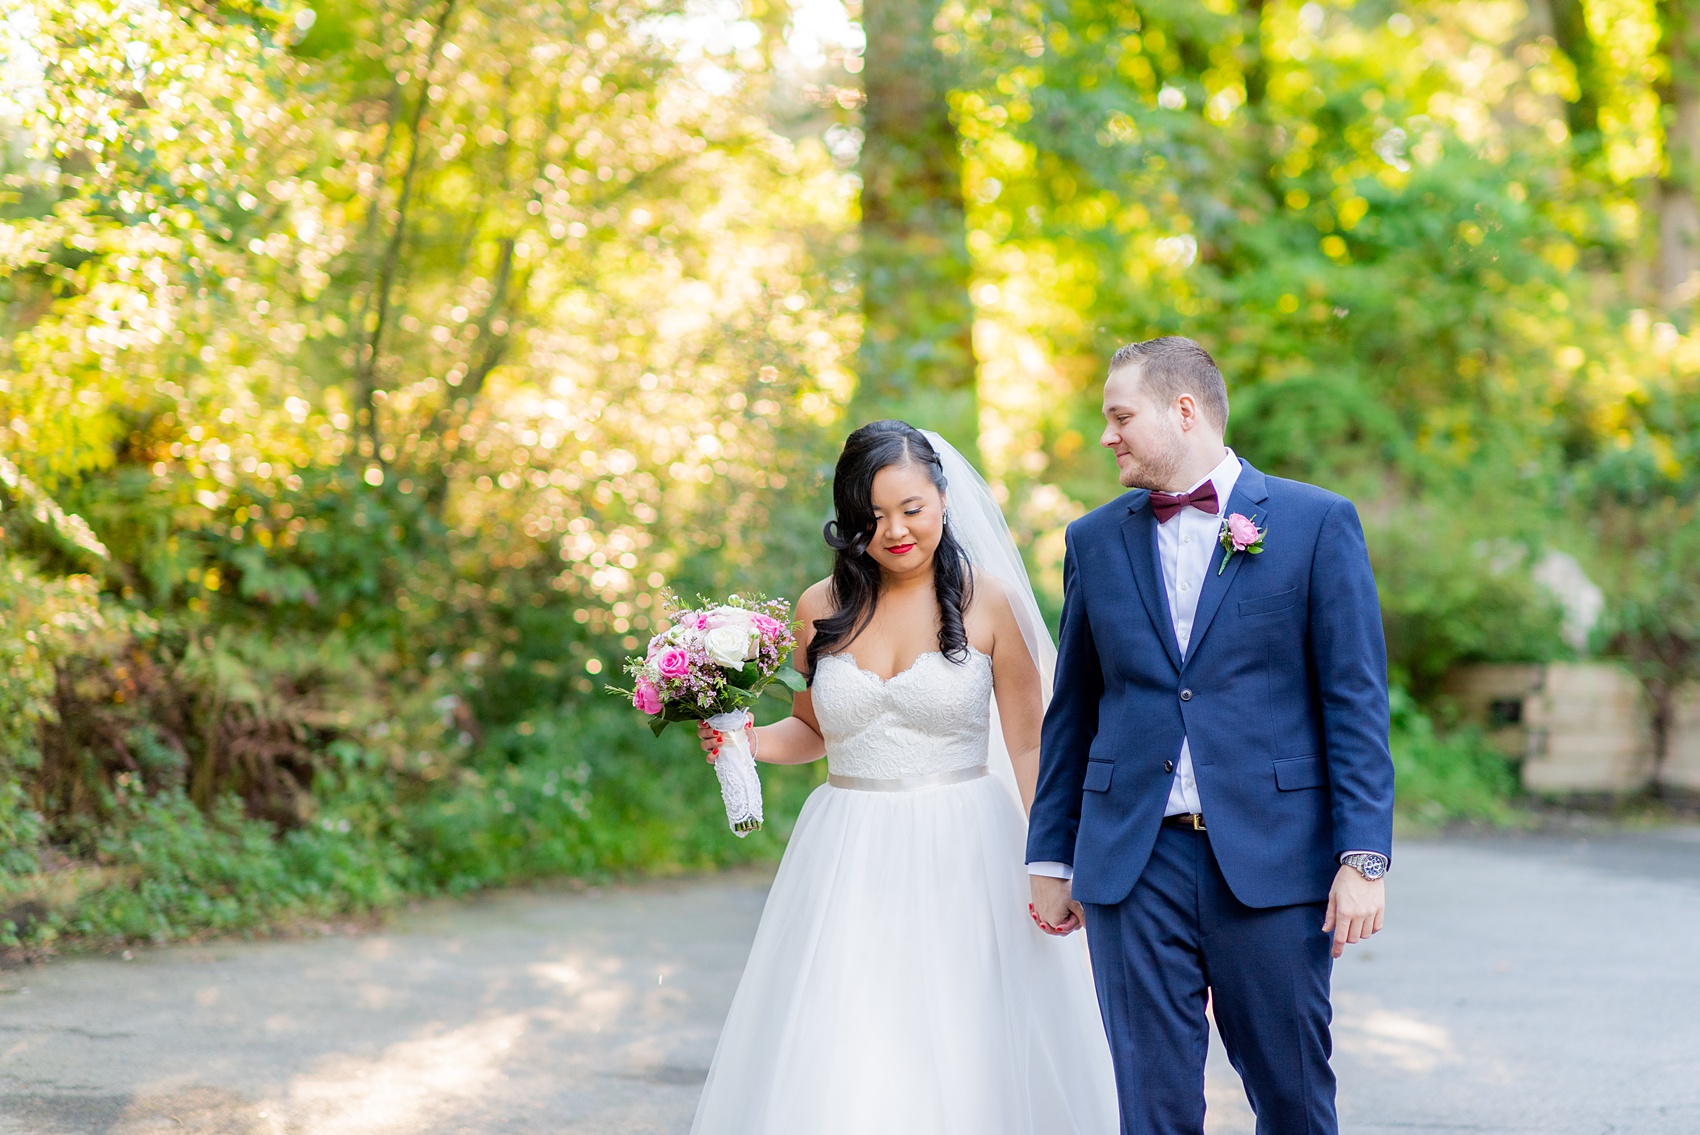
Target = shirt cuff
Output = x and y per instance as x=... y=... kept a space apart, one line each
x=1051 y=870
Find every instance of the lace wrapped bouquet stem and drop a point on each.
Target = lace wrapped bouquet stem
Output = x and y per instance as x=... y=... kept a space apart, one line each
x=711 y=664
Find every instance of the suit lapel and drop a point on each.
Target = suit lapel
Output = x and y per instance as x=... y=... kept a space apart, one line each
x=1139 y=530
x=1250 y=498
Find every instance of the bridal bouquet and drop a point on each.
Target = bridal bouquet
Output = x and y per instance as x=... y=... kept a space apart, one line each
x=711 y=664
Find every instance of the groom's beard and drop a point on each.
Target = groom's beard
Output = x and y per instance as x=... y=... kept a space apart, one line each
x=1157 y=470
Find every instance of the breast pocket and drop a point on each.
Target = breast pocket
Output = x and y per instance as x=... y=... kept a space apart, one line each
x=1265 y=604
x=1098 y=774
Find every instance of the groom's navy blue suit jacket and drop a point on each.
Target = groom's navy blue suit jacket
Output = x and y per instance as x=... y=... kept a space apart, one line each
x=1282 y=694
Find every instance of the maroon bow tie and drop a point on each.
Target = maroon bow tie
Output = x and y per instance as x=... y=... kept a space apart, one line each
x=1166 y=505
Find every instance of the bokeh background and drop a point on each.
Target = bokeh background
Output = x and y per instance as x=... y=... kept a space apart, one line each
x=369 y=368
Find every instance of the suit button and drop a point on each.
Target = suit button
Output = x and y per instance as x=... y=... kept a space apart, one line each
x=1186 y=695
x=1168 y=766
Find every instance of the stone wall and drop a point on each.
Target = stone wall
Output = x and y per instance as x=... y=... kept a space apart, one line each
x=1577 y=726
x=1682 y=762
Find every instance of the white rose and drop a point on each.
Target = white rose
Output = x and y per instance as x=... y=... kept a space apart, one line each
x=729 y=616
x=728 y=646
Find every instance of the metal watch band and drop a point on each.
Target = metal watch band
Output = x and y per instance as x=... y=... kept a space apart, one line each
x=1369 y=864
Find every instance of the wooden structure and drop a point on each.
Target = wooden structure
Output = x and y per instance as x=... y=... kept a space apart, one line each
x=1682 y=761
x=1575 y=727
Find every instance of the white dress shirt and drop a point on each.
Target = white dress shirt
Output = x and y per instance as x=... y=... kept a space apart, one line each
x=1184 y=547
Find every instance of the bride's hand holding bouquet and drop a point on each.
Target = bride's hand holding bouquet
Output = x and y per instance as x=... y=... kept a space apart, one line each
x=710 y=665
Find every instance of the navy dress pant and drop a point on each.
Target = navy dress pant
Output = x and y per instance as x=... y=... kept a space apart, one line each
x=1181 y=936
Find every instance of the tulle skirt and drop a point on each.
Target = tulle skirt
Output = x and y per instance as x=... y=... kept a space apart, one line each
x=897 y=984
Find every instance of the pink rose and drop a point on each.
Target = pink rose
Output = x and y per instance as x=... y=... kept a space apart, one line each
x=645 y=698
x=673 y=663
x=770 y=628
x=1243 y=532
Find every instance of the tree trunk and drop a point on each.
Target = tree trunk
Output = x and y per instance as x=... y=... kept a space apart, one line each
x=366 y=378
x=916 y=359
x=1679 y=211
x=1582 y=114
x=1264 y=150
x=1661 y=697
x=1256 y=65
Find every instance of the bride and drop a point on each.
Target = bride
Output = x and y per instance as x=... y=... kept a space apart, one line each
x=896 y=985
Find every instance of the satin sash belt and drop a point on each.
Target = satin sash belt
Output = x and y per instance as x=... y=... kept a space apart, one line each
x=906 y=783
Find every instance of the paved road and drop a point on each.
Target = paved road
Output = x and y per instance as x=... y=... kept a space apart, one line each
x=1540 y=985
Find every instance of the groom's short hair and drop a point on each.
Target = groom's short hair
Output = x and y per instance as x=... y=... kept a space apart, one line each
x=1174 y=365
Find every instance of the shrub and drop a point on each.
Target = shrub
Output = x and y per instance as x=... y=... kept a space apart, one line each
x=1454 y=592
x=582 y=790
x=1444 y=777
x=585 y=790
x=176 y=870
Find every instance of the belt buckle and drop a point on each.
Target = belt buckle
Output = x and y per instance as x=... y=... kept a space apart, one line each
x=1197 y=821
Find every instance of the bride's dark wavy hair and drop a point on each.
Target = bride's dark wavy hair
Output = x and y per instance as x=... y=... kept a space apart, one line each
x=855 y=574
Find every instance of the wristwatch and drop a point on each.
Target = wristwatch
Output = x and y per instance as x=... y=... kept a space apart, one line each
x=1366 y=863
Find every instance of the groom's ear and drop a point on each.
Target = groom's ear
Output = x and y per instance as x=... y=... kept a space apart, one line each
x=1188 y=407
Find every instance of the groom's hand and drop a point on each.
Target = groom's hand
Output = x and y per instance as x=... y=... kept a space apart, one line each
x=1053 y=906
x=1355 y=907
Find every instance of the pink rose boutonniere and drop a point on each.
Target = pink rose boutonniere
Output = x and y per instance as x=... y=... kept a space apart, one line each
x=1240 y=534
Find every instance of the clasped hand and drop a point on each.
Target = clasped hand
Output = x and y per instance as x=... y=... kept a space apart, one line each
x=1053 y=907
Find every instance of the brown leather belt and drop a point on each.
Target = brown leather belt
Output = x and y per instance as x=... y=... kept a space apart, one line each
x=1186 y=821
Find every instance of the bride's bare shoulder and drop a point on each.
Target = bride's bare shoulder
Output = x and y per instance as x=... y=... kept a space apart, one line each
x=990 y=597
x=813 y=604
x=816 y=602
x=990 y=617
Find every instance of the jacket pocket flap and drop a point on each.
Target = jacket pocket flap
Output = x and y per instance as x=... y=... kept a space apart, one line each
x=1300 y=772
x=1263 y=604
x=1098 y=775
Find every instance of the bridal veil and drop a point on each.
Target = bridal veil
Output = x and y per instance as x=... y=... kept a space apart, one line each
x=979 y=526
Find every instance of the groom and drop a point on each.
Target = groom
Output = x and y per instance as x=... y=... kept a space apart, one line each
x=1215 y=793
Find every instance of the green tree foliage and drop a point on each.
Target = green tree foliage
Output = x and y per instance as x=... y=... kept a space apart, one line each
x=397 y=356
x=1266 y=179
x=368 y=366
x=1368 y=212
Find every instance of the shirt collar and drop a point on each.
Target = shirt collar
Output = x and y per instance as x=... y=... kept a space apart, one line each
x=1225 y=476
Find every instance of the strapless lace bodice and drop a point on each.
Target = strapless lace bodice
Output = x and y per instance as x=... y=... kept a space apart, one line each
x=932 y=717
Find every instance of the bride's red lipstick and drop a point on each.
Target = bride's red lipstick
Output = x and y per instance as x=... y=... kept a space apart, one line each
x=900 y=549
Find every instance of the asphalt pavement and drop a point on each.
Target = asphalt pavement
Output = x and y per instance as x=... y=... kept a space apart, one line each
x=1540 y=984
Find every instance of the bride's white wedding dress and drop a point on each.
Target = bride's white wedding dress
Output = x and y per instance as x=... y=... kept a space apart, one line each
x=897 y=984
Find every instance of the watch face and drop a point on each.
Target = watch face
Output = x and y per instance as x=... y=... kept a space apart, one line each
x=1370 y=867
